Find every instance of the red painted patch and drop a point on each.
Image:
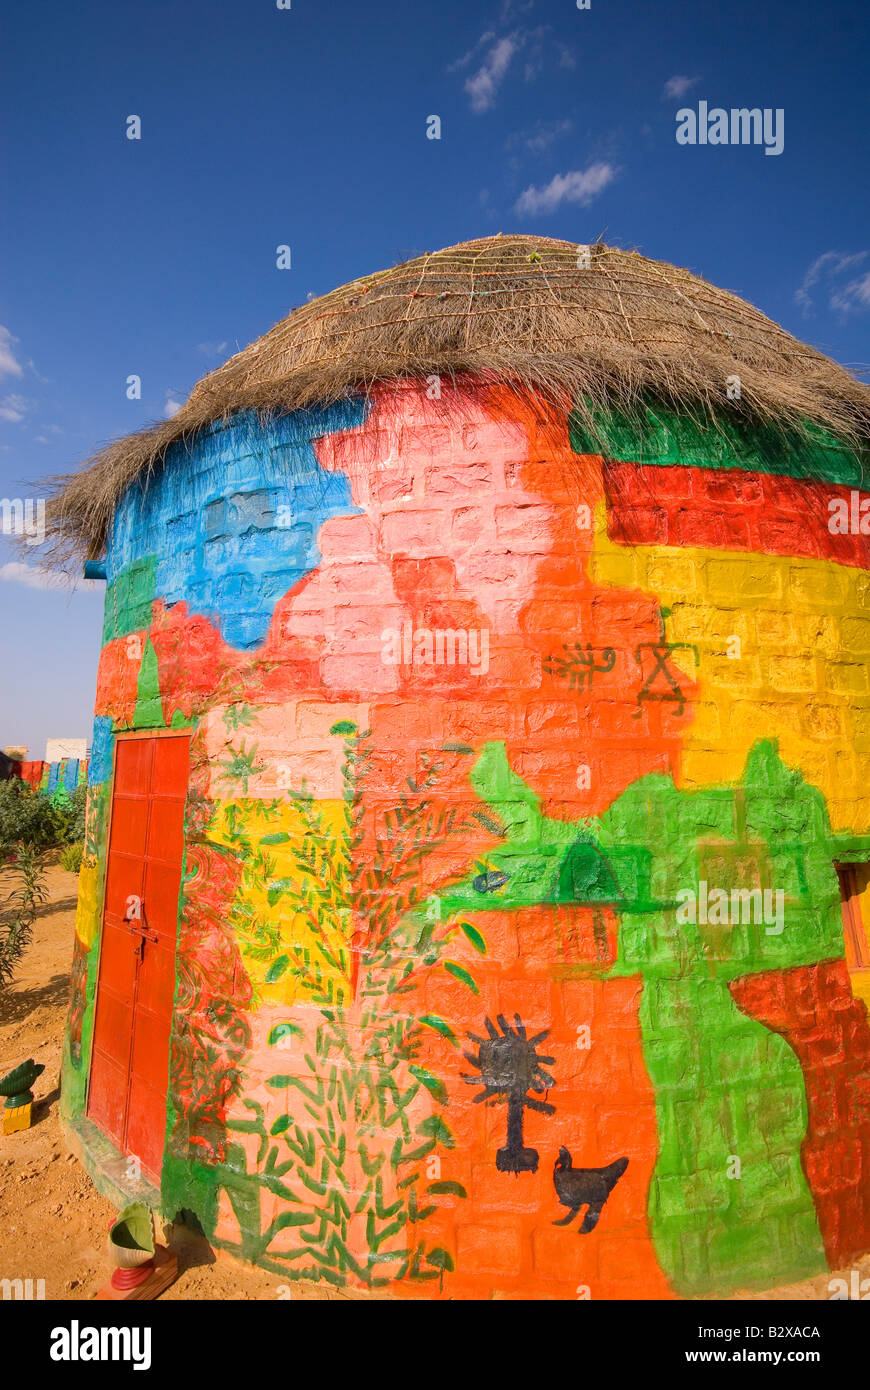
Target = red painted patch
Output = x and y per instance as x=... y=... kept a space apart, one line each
x=813 y=1008
x=30 y=772
x=728 y=509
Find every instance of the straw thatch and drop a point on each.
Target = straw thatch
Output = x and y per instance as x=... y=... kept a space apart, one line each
x=509 y=308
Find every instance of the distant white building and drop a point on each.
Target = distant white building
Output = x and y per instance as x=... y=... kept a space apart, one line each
x=57 y=749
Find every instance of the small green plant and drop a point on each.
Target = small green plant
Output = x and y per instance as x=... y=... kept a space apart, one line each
x=241 y=766
x=238 y=716
x=17 y=913
x=71 y=856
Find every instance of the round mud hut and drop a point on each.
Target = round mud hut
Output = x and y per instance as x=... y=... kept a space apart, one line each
x=478 y=843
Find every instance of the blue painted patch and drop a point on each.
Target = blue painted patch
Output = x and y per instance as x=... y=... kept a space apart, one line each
x=233 y=518
x=100 y=766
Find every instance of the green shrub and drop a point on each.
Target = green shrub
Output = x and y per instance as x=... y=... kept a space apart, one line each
x=71 y=856
x=19 y=909
x=70 y=814
x=26 y=818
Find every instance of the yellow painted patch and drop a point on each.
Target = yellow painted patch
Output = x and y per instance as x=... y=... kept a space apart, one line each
x=797 y=673
x=87 y=909
x=266 y=919
x=861 y=985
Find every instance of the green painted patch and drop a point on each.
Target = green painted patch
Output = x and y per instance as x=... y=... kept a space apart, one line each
x=663 y=437
x=76 y=1055
x=149 y=706
x=726 y=1087
x=129 y=598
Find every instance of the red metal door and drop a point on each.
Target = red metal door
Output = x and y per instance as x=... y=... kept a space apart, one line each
x=130 y=1056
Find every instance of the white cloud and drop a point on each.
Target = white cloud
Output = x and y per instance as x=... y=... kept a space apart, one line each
x=514 y=9
x=482 y=87
x=536 y=60
x=828 y=269
x=13 y=408
x=855 y=295
x=33 y=577
x=578 y=186
x=9 y=364
x=172 y=406
x=466 y=58
x=54 y=430
x=16 y=572
x=676 y=87
x=490 y=58
x=541 y=136
x=212 y=349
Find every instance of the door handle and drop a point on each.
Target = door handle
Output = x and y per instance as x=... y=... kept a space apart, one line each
x=142 y=934
x=135 y=922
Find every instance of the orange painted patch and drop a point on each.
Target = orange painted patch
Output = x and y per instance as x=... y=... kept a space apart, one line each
x=502 y=1237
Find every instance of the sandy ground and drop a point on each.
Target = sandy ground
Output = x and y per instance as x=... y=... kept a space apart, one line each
x=53 y=1221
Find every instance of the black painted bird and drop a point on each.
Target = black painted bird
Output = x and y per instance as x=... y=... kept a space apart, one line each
x=584 y=1187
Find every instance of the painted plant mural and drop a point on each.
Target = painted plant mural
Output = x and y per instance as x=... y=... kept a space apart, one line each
x=510 y=951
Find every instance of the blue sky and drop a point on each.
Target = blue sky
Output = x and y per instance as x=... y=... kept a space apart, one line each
x=307 y=127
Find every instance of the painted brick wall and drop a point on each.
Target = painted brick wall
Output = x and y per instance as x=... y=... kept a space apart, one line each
x=443 y=955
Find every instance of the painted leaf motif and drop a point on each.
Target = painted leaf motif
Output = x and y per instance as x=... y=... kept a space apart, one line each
x=282 y=1030
x=441 y=1259
x=292 y=1218
x=440 y=1026
x=462 y=974
x=489 y=823
x=432 y=1083
x=433 y=1127
x=447 y=1188
x=474 y=937
x=276 y=889
x=276 y=969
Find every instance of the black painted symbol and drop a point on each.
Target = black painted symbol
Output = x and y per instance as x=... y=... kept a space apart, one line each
x=490 y=881
x=510 y=1068
x=579 y=664
x=584 y=1187
x=661 y=684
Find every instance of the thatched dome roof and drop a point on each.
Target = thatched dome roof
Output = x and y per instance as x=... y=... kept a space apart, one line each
x=514 y=308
